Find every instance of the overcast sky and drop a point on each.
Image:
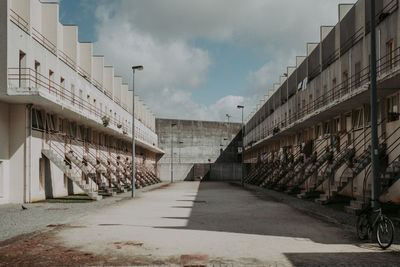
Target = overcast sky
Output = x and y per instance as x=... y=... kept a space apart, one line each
x=202 y=57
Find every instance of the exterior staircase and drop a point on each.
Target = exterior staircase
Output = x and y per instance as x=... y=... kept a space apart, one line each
x=312 y=170
x=60 y=163
x=349 y=174
x=329 y=172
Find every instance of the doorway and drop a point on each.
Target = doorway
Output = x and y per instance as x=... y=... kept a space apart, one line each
x=45 y=180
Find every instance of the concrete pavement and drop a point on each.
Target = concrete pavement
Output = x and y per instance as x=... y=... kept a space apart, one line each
x=215 y=223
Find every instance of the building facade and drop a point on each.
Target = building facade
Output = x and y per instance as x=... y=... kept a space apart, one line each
x=199 y=149
x=311 y=134
x=65 y=118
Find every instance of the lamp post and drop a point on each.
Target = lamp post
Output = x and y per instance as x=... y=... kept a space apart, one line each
x=242 y=179
x=228 y=116
x=172 y=152
x=374 y=116
x=134 y=68
x=180 y=143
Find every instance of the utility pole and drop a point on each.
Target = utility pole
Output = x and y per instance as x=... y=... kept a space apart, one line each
x=374 y=116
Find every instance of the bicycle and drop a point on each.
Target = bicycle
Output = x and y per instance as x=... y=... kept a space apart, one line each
x=372 y=222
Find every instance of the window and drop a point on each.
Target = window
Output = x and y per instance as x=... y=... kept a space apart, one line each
x=327 y=128
x=345 y=82
x=80 y=99
x=318 y=132
x=348 y=122
x=72 y=94
x=22 y=69
x=62 y=84
x=37 y=119
x=37 y=74
x=51 y=86
x=392 y=107
x=50 y=123
x=358 y=118
x=357 y=75
x=336 y=125
x=390 y=54
x=334 y=84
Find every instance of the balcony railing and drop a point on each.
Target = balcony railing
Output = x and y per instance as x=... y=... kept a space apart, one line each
x=67 y=60
x=84 y=74
x=19 y=21
x=26 y=77
x=44 y=41
x=384 y=66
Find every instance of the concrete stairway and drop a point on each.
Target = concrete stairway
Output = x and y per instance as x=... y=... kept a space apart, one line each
x=314 y=169
x=99 y=167
x=53 y=157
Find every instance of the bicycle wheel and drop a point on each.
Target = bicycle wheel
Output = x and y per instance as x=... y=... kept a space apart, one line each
x=362 y=226
x=384 y=232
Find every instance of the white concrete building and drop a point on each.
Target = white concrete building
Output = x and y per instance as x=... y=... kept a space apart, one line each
x=65 y=118
x=321 y=109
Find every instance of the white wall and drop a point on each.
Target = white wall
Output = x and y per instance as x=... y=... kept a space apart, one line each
x=70 y=44
x=97 y=72
x=108 y=79
x=85 y=57
x=50 y=22
x=17 y=133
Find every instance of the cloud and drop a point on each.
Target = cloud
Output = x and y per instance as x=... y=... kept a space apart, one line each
x=161 y=35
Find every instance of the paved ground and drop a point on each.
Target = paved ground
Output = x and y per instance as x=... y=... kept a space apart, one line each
x=192 y=223
x=40 y=216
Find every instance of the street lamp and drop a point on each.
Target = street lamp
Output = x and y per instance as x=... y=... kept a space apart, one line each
x=228 y=116
x=180 y=143
x=134 y=68
x=172 y=152
x=242 y=179
x=374 y=116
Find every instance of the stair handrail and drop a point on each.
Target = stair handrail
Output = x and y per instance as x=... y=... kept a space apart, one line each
x=73 y=142
x=368 y=172
x=55 y=146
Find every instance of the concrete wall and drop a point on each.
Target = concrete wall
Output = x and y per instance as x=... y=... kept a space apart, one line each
x=3 y=46
x=17 y=137
x=195 y=142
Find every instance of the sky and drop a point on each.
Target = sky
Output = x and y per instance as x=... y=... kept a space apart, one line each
x=201 y=58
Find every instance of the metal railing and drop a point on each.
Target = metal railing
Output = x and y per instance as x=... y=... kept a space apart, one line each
x=389 y=149
x=19 y=21
x=385 y=65
x=58 y=143
x=46 y=43
x=67 y=59
x=34 y=79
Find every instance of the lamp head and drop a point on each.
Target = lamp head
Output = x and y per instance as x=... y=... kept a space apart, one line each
x=137 y=67
x=239 y=106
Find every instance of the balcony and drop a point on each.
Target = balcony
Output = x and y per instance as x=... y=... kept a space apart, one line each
x=350 y=93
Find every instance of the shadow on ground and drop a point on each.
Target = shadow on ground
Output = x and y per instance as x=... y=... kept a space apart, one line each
x=226 y=207
x=343 y=259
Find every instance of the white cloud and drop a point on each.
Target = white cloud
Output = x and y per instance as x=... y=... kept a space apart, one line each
x=159 y=35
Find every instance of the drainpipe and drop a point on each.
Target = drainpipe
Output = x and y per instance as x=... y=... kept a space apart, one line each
x=28 y=155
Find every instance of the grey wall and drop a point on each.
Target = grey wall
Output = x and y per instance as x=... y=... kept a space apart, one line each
x=3 y=45
x=196 y=142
